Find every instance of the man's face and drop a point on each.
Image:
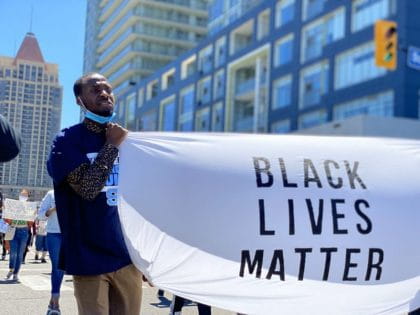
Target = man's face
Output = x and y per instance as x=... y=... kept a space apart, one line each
x=24 y=193
x=97 y=95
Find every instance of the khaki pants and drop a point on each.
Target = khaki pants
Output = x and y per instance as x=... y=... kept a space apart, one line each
x=113 y=293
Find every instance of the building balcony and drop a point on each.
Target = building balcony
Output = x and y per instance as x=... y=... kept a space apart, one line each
x=245 y=90
x=245 y=86
x=174 y=24
x=105 y=6
x=111 y=10
x=118 y=18
x=199 y=9
x=111 y=65
x=169 y=34
x=109 y=37
x=110 y=51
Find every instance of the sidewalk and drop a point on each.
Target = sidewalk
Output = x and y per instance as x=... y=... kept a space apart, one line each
x=31 y=296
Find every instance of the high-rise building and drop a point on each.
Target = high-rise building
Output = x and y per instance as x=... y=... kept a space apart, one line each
x=31 y=100
x=285 y=65
x=127 y=40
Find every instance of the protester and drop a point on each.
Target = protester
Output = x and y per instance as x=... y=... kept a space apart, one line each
x=9 y=141
x=93 y=248
x=41 y=240
x=47 y=211
x=30 y=241
x=18 y=242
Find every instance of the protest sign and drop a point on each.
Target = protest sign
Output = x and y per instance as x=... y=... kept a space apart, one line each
x=268 y=224
x=19 y=210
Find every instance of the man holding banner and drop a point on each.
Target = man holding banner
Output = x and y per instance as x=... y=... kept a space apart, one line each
x=84 y=166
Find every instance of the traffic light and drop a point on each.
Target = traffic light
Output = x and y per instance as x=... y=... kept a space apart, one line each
x=386 y=44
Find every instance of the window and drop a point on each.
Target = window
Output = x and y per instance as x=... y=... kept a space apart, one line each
x=366 y=12
x=285 y=12
x=219 y=84
x=312 y=8
x=186 y=108
x=356 y=65
x=205 y=59
x=263 y=24
x=284 y=50
x=168 y=79
x=131 y=111
x=167 y=114
x=217 y=117
x=245 y=80
x=204 y=90
x=320 y=33
x=188 y=67
x=381 y=104
x=282 y=92
x=281 y=126
x=313 y=84
x=241 y=37
x=152 y=89
x=148 y=121
x=202 y=119
x=243 y=118
x=312 y=119
x=140 y=98
x=121 y=111
x=220 y=52
x=216 y=9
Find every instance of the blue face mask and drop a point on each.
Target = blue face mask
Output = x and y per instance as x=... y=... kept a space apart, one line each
x=95 y=117
x=99 y=119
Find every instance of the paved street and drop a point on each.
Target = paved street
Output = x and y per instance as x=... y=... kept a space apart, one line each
x=31 y=296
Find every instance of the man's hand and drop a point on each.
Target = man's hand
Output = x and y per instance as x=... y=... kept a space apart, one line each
x=115 y=134
x=49 y=212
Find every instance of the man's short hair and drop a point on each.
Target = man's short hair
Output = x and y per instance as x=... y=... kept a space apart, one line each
x=78 y=85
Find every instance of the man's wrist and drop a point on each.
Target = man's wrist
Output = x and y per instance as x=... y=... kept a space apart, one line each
x=110 y=146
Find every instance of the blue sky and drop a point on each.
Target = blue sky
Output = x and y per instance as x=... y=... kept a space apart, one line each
x=59 y=27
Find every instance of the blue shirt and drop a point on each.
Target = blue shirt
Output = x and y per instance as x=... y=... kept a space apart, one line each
x=92 y=239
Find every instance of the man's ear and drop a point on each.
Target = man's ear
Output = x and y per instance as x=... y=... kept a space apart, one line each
x=79 y=101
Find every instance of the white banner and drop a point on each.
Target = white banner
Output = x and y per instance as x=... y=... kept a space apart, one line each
x=268 y=224
x=20 y=210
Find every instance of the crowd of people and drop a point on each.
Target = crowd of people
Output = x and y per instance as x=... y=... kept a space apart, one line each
x=44 y=231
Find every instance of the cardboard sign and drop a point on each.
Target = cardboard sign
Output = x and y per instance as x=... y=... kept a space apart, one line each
x=19 y=210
